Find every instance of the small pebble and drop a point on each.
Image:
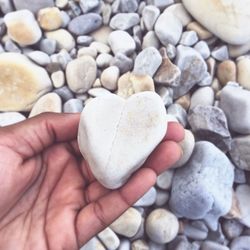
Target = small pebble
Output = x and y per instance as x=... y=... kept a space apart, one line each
x=232 y=228
x=123 y=62
x=128 y=5
x=220 y=53
x=166 y=95
x=178 y=112
x=88 y=5
x=94 y=243
x=189 y=38
x=103 y=60
x=96 y=92
x=195 y=230
x=161 y=198
x=109 y=239
x=203 y=49
x=226 y=72
x=150 y=40
x=164 y=180
x=87 y=51
x=202 y=96
x=109 y=77
x=184 y=101
x=124 y=21
x=58 y=79
x=73 y=106
x=39 y=57
x=210 y=245
x=202 y=32
x=148 y=199
x=149 y=16
x=65 y=93
x=48 y=46
x=31 y=5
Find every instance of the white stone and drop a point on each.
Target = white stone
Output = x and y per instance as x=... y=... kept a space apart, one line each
x=109 y=239
x=103 y=60
x=243 y=197
x=202 y=96
x=148 y=199
x=164 y=180
x=22 y=27
x=121 y=41
x=128 y=223
x=109 y=77
x=162 y=226
x=189 y=38
x=132 y=127
x=50 y=102
x=93 y=244
x=150 y=40
x=9 y=118
x=170 y=33
x=100 y=47
x=39 y=57
x=97 y=92
x=87 y=51
x=220 y=53
x=149 y=16
x=227 y=19
x=21 y=82
x=58 y=79
x=81 y=74
x=187 y=146
x=203 y=49
x=124 y=21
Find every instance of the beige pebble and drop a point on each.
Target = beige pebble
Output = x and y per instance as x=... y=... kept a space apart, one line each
x=22 y=27
x=243 y=72
x=201 y=31
x=61 y=3
x=58 y=79
x=100 y=47
x=97 y=83
x=226 y=72
x=87 y=51
x=238 y=50
x=50 y=102
x=101 y=35
x=63 y=38
x=109 y=77
x=129 y=84
x=184 y=101
x=21 y=82
x=50 y=18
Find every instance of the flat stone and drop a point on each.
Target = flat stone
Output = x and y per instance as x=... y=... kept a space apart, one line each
x=63 y=39
x=226 y=72
x=109 y=239
x=124 y=21
x=147 y=62
x=239 y=152
x=227 y=20
x=121 y=41
x=97 y=92
x=50 y=18
x=243 y=72
x=161 y=226
x=187 y=146
x=203 y=188
x=109 y=77
x=170 y=33
x=193 y=69
x=210 y=123
x=31 y=5
x=108 y=164
x=81 y=74
x=50 y=102
x=240 y=243
x=29 y=34
x=21 y=82
x=149 y=16
x=202 y=96
x=168 y=73
x=235 y=102
x=85 y=24
x=128 y=223
x=10 y=118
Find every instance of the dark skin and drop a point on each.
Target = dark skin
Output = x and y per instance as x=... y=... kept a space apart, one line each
x=49 y=198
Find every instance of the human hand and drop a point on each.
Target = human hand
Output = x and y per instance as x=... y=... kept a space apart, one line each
x=49 y=198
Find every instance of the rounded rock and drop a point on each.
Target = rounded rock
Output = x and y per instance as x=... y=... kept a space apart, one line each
x=243 y=72
x=226 y=72
x=109 y=77
x=124 y=21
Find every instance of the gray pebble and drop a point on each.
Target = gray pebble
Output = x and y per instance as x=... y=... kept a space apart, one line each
x=128 y=5
x=148 y=199
x=150 y=40
x=85 y=24
x=220 y=53
x=179 y=243
x=203 y=49
x=189 y=38
x=62 y=58
x=95 y=92
x=202 y=96
x=87 y=5
x=65 y=93
x=123 y=62
x=179 y=112
x=73 y=106
x=39 y=57
x=161 y=198
x=193 y=69
x=202 y=189
x=232 y=228
x=84 y=40
x=53 y=67
x=147 y=62
x=155 y=246
x=149 y=16
x=240 y=243
x=235 y=102
x=164 y=180
x=106 y=13
x=48 y=46
x=171 y=51
x=124 y=245
x=210 y=123
x=32 y=5
x=10 y=46
x=239 y=176
x=6 y=6
x=74 y=10
x=103 y=60
x=166 y=95
x=195 y=230
x=162 y=4
x=210 y=245
x=124 y=21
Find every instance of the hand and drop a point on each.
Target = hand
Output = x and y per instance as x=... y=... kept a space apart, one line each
x=49 y=198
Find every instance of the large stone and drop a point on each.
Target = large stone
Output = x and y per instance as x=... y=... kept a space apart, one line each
x=193 y=69
x=21 y=82
x=202 y=189
x=132 y=127
x=235 y=102
x=32 y=5
x=226 y=19
x=22 y=27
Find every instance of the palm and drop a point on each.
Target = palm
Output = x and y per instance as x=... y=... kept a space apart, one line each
x=51 y=200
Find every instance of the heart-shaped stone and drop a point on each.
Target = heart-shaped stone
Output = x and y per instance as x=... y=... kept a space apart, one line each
x=227 y=19
x=116 y=135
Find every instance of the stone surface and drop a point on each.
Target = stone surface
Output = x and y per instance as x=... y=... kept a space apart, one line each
x=195 y=230
x=232 y=228
x=240 y=243
x=201 y=31
x=148 y=199
x=239 y=152
x=109 y=77
x=179 y=113
x=150 y=40
x=9 y=118
x=210 y=123
x=220 y=53
x=58 y=79
x=122 y=128
x=187 y=146
x=193 y=69
x=164 y=180
x=235 y=102
x=203 y=49
x=166 y=95
x=50 y=18
x=226 y=19
x=31 y=5
x=203 y=188
x=81 y=74
x=29 y=34
x=93 y=243
x=121 y=41
x=149 y=16
x=109 y=239
x=50 y=102
x=123 y=62
x=128 y=5
x=170 y=33
x=85 y=24
x=124 y=21
x=129 y=84
x=161 y=226
x=243 y=72
x=139 y=245
x=202 y=96
x=39 y=57
x=189 y=38
x=147 y=62
x=210 y=245
x=226 y=72
x=73 y=106
x=128 y=223
x=243 y=198
x=21 y=82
